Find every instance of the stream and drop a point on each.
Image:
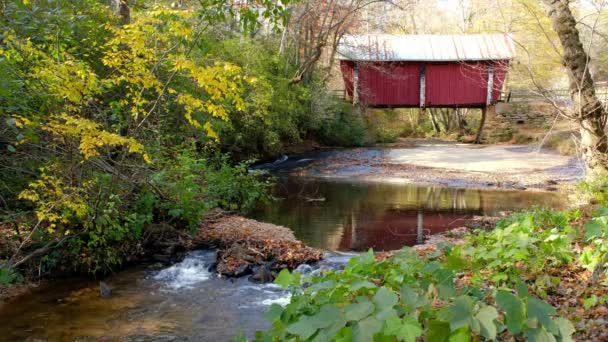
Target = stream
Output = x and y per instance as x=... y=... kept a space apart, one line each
x=186 y=302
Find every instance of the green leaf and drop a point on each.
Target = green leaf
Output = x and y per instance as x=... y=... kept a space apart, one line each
x=385 y=299
x=368 y=257
x=522 y=289
x=344 y=335
x=539 y=335
x=461 y=335
x=410 y=298
x=328 y=314
x=455 y=262
x=358 y=311
x=304 y=328
x=329 y=333
x=513 y=308
x=308 y=325
x=328 y=284
x=406 y=330
x=593 y=229
x=365 y=330
x=461 y=312
x=566 y=329
x=540 y=310
x=284 y=279
x=590 y=302
x=273 y=313
x=486 y=317
x=11 y=148
x=360 y=284
x=438 y=331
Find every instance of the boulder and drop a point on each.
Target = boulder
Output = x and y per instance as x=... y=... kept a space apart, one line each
x=105 y=291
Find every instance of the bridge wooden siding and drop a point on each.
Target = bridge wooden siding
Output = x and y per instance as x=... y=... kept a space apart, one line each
x=465 y=71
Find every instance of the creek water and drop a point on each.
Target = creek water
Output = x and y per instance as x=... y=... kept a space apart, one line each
x=186 y=302
x=355 y=216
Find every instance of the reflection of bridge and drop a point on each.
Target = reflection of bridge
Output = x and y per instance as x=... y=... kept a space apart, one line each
x=397 y=229
x=384 y=216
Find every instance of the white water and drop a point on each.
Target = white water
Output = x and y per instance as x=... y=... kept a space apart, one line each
x=189 y=273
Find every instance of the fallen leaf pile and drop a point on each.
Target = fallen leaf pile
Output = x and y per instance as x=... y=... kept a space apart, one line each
x=245 y=245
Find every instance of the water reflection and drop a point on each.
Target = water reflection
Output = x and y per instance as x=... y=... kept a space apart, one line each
x=356 y=216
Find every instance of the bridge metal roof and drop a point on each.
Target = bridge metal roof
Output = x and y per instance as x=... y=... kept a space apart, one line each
x=431 y=48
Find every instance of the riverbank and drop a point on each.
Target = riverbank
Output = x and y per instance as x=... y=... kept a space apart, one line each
x=244 y=247
x=450 y=164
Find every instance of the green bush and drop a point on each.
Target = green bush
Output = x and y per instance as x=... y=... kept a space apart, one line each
x=9 y=276
x=523 y=243
x=342 y=126
x=404 y=298
x=192 y=185
x=595 y=255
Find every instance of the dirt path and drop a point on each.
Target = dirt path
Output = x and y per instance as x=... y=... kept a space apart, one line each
x=450 y=164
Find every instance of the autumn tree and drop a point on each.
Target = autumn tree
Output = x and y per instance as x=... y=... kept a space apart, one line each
x=316 y=28
x=588 y=111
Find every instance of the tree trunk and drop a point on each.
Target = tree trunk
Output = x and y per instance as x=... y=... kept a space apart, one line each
x=461 y=122
x=434 y=121
x=590 y=114
x=481 y=123
x=121 y=9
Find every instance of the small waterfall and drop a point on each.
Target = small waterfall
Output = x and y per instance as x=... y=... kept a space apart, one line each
x=193 y=270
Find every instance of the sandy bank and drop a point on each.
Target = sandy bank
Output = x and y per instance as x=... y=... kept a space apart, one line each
x=454 y=165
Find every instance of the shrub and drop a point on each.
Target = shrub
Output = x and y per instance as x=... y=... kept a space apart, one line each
x=402 y=299
x=192 y=184
x=9 y=276
x=595 y=255
x=341 y=126
x=523 y=243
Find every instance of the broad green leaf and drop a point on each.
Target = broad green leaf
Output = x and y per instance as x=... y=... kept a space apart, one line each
x=446 y=290
x=329 y=333
x=521 y=288
x=438 y=331
x=461 y=335
x=410 y=298
x=273 y=313
x=539 y=335
x=304 y=328
x=455 y=262
x=344 y=335
x=365 y=330
x=385 y=299
x=328 y=315
x=358 y=311
x=513 y=308
x=566 y=329
x=461 y=312
x=308 y=325
x=540 y=310
x=486 y=317
x=593 y=229
x=284 y=279
x=328 y=284
x=360 y=284
x=406 y=330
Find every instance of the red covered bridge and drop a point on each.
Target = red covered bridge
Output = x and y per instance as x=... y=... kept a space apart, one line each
x=456 y=71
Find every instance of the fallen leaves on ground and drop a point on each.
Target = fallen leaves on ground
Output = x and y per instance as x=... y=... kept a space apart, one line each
x=245 y=245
